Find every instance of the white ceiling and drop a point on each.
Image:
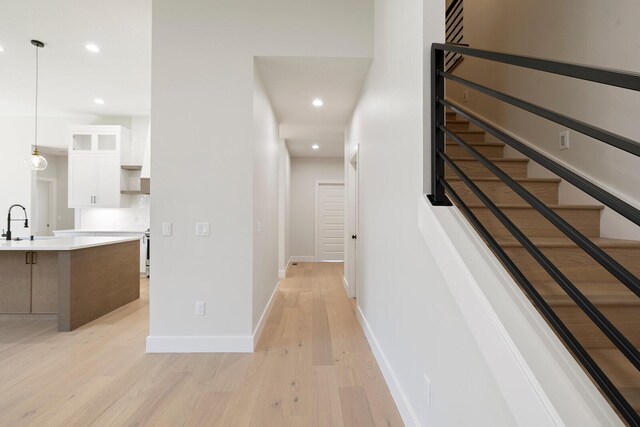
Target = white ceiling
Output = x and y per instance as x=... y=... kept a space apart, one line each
x=302 y=148
x=70 y=76
x=293 y=83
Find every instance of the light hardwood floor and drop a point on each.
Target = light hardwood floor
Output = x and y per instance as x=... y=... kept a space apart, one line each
x=313 y=366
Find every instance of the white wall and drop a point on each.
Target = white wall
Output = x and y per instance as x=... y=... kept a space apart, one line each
x=414 y=324
x=58 y=169
x=203 y=151
x=305 y=171
x=266 y=171
x=595 y=34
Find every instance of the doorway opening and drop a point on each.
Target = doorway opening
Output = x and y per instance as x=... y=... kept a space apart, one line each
x=45 y=212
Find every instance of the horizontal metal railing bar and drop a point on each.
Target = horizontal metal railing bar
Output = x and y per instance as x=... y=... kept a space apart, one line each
x=607 y=76
x=598 y=193
x=618 y=141
x=601 y=257
x=572 y=343
x=607 y=328
x=452 y=6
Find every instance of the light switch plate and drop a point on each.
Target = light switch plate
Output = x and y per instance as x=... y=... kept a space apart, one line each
x=563 y=140
x=200 y=308
x=167 y=229
x=202 y=229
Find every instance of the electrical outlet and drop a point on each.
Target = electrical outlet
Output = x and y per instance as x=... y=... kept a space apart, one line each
x=563 y=140
x=202 y=229
x=427 y=389
x=167 y=229
x=200 y=308
x=466 y=95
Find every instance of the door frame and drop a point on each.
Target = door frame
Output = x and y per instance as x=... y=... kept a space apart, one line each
x=352 y=291
x=53 y=204
x=316 y=245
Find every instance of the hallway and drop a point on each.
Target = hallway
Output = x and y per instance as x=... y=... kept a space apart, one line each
x=313 y=366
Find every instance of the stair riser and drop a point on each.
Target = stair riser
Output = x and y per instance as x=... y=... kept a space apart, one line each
x=486 y=150
x=499 y=192
x=474 y=169
x=451 y=116
x=469 y=137
x=533 y=224
x=574 y=263
x=625 y=318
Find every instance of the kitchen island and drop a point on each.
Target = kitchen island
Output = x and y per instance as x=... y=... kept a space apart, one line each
x=76 y=278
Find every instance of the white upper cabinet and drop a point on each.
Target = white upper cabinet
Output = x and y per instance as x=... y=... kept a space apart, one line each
x=96 y=157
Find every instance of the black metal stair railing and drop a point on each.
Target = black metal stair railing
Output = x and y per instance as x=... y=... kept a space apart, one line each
x=438 y=187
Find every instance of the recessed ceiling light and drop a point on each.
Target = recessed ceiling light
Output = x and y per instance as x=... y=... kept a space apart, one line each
x=92 y=48
x=315 y=146
x=99 y=101
x=318 y=102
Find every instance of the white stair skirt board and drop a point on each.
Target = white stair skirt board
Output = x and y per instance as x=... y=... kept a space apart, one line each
x=540 y=380
x=397 y=392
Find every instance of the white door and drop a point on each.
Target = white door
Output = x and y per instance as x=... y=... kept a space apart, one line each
x=330 y=221
x=43 y=208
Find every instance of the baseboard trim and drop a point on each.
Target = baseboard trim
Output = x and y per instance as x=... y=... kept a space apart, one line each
x=283 y=273
x=200 y=344
x=257 y=332
x=303 y=258
x=407 y=413
x=345 y=284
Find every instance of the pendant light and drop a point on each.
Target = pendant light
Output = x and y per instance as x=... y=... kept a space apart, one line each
x=36 y=162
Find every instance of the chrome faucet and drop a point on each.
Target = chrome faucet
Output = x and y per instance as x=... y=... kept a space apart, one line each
x=26 y=221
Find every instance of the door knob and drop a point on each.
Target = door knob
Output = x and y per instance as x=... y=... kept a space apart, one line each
x=354 y=236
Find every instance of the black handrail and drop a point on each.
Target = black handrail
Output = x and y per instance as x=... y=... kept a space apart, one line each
x=618 y=141
x=437 y=182
x=609 y=77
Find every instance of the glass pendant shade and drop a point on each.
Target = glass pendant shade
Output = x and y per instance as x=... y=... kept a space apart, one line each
x=36 y=162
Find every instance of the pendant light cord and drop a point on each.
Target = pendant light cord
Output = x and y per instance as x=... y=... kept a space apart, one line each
x=36 y=115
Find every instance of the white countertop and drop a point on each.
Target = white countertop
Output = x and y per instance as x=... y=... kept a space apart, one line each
x=62 y=243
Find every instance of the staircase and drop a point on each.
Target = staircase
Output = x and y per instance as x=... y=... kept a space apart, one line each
x=616 y=302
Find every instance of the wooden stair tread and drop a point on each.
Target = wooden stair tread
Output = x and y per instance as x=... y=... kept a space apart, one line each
x=496 y=179
x=600 y=293
x=469 y=131
x=491 y=159
x=632 y=394
x=565 y=242
x=526 y=206
x=617 y=367
x=485 y=144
